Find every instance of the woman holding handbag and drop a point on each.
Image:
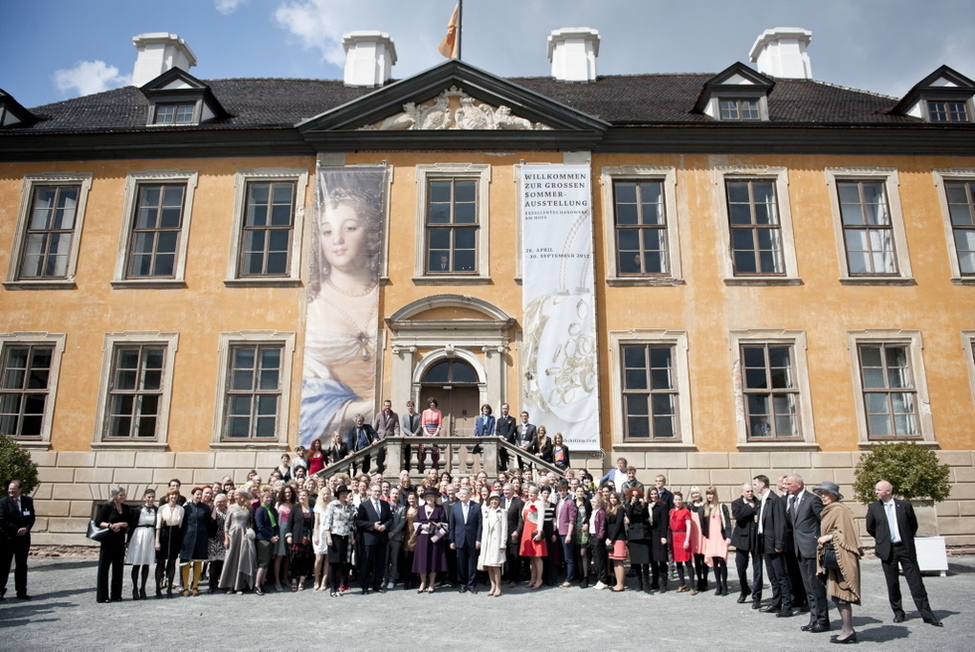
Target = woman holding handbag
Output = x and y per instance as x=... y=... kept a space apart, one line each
x=839 y=555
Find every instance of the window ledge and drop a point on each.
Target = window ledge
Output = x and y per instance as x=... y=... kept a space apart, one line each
x=262 y=282
x=247 y=445
x=33 y=444
x=654 y=446
x=963 y=280
x=877 y=280
x=60 y=284
x=644 y=281
x=155 y=284
x=762 y=280
x=452 y=280
x=778 y=445
x=127 y=446
x=866 y=445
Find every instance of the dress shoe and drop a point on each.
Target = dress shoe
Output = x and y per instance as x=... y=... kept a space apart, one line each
x=785 y=613
x=852 y=638
x=24 y=596
x=742 y=598
x=462 y=589
x=365 y=591
x=473 y=590
x=819 y=629
x=899 y=618
x=756 y=605
x=584 y=584
x=806 y=628
x=772 y=608
x=930 y=621
x=104 y=601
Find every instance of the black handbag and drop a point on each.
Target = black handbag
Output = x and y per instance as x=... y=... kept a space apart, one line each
x=828 y=560
x=96 y=533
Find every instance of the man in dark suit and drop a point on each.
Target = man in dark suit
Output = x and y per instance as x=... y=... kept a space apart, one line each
x=802 y=513
x=771 y=544
x=410 y=426
x=512 y=506
x=360 y=436
x=387 y=425
x=464 y=529
x=526 y=438
x=789 y=558
x=16 y=520
x=744 y=511
x=505 y=429
x=892 y=524
x=373 y=521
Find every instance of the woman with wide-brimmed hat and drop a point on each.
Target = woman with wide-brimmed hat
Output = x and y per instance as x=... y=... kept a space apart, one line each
x=430 y=553
x=339 y=525
x=842 y=577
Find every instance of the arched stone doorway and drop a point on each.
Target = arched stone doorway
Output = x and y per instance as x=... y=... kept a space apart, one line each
x=457 y=388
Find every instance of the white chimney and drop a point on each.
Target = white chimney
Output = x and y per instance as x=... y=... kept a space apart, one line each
x=781 y=52
x=158 y=52
x=573 y=52
x=369 y=58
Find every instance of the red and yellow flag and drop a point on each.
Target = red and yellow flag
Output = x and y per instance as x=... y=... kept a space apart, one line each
x=448 y=47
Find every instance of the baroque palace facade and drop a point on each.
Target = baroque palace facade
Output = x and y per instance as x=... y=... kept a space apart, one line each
x=776 y=273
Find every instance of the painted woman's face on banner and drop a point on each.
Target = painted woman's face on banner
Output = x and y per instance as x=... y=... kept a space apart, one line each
x=342 y=236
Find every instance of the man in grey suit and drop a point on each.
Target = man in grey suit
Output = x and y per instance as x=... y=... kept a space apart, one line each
x=893 y=524
x=526 y=438
x=802 y=513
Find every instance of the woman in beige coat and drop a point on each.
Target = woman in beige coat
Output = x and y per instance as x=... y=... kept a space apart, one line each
x=843 y=584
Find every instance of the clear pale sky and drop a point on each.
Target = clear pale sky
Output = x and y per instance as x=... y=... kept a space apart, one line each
x=57 y=49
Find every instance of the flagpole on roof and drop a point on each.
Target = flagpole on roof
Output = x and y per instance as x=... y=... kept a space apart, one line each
x=460 y=27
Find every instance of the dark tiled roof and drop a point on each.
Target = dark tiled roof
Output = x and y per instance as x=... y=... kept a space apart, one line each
x=618 y=99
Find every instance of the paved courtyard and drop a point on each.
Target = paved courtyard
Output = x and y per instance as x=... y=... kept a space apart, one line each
x=65 y=615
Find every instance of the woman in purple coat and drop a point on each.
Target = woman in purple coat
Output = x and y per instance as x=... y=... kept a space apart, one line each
x=430 y=556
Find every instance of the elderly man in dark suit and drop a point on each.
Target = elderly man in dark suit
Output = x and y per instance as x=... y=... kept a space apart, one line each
x=16 y=520
x=802 y=513
x=360 y=436
x=373 y=521
x=744 y=511
x=464 y=526
x=893 y=524
x=771 y=543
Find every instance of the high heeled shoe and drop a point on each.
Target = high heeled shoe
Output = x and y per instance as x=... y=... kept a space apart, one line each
x=852 y=638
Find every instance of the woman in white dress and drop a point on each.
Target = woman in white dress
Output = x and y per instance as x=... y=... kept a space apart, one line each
x=494 y=536
x=318 y=539
x=142 y=543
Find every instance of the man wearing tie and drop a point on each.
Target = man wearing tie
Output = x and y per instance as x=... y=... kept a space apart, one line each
x=771 y=544
x=893 y=524
x=803 y=512
x=506 y=429
x=512 y=506
x=16 y=520
x=527 y=439
x=360 y=436
x=373 y=520
x=464 y=530
x=387 y=425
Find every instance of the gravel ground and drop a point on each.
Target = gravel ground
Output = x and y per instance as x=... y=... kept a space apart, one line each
x=65 y=615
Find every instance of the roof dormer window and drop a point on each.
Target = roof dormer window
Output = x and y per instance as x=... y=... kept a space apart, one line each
x=944 y=96
x=736 y=94
x=948 y=111
x=177 y=98
x=175 y=113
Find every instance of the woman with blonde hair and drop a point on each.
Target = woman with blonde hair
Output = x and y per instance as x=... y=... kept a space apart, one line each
x=169 y=540
x=716 y=529
x=238 y=538
x=616 y=539
x=319 y=544
x=839 y=556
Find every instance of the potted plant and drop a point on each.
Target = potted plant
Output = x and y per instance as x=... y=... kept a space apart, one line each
x=917 y=476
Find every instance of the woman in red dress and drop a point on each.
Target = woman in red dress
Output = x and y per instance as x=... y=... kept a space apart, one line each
x=316 y=458
x=533 y=543
x=680 y=526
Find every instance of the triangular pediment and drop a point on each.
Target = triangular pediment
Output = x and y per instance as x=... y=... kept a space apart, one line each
x=943 y=83
x=453 y=97
x=737 y=78
x=177 y=84
x=12 y=113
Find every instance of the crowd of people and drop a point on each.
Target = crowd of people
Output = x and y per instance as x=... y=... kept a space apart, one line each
x=297 y=532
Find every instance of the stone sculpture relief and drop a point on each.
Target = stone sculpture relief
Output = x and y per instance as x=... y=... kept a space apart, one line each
x=454 y=109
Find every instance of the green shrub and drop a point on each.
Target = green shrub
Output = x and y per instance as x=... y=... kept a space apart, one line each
x=912 y=470
x=16 y=464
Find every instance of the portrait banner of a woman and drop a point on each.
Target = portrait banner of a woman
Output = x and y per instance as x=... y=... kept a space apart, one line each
x=342 y=311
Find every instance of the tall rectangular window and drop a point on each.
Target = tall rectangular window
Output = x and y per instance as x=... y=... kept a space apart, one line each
x=641 y=227
x=650 y=393
x=50 y=230
x=868 y=233
x=135 y=391
x=756 y=237
x=25 y=385
x=771 y=392
x=889 y=390
x=267 y=229
x=156 y=231
x=253 y=391
x=961 y=209
x=452 y=226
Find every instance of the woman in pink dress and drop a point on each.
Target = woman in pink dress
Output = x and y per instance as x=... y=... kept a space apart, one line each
x=680 y=527
x=533 y=543
x=432 y=420
x=716 y=528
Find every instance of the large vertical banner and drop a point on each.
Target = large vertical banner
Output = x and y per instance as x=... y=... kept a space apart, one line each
x=342 y=317
x=559 y=369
